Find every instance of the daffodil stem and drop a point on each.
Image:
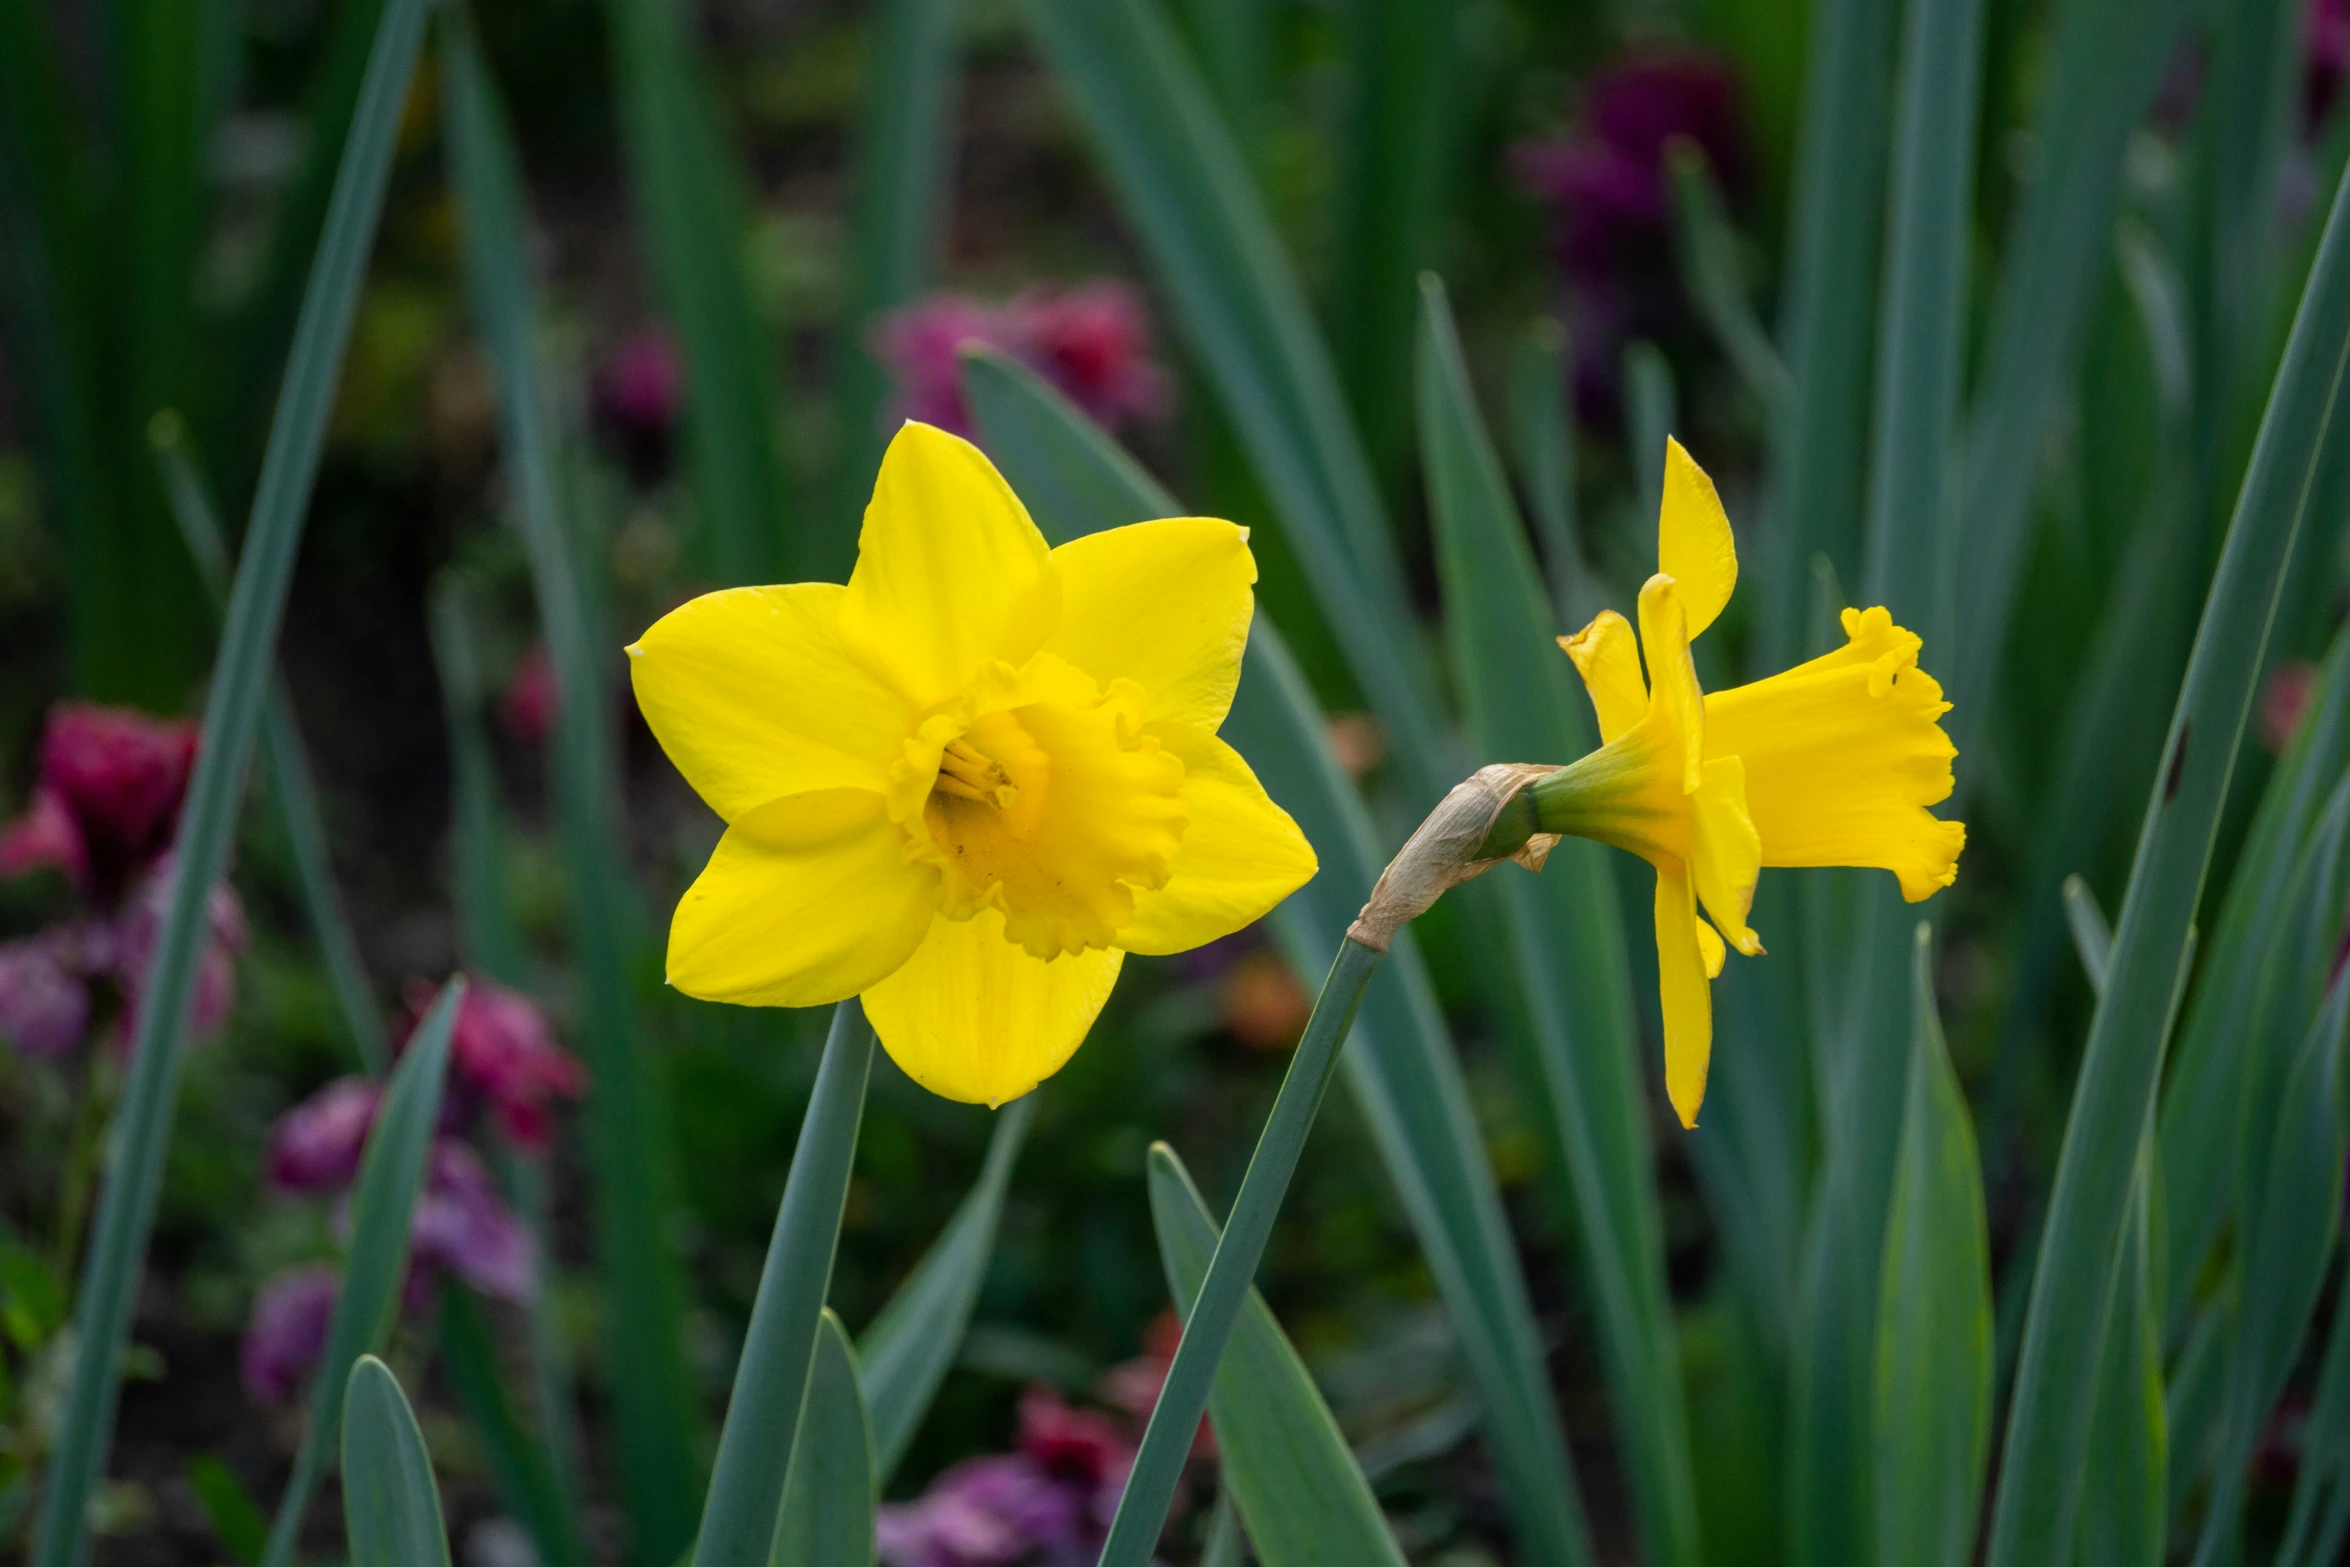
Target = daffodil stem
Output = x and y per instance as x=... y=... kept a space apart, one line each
x=763 y=1413
x=1150 y=1487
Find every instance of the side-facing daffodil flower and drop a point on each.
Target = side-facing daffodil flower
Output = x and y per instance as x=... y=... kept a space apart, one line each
x=1833 y=762
x=968 y=783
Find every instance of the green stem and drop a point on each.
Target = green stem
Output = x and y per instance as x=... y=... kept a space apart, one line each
x=763 y=1412
x=1150 y=1487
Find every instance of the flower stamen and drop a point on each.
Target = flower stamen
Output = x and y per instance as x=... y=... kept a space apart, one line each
x=967 y=773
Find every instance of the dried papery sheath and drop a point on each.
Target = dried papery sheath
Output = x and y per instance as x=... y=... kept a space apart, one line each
x=1471 y=830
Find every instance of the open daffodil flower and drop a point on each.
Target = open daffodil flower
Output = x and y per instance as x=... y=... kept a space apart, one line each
x=1833 y=762
x=968 y=783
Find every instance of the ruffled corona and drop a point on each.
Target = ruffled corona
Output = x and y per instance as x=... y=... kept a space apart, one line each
x=1833 y=762
x=965 y=785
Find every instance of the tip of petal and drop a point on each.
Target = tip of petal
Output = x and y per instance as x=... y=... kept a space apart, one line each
x=634 y=650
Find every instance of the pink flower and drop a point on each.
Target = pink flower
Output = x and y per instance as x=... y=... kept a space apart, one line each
x=45 y=837
x=315 y=1146
x=44 y=1001
x=141 y=929
x=989 y=1512
x=119 y=776
x=636 y=397
x=2284 y=702
x=528 y=703
x=1093 y=341
x=1081 y=1444
x=504 y=1052
x=286 y=1334
x=462 y=1226
x=921 y=346
x=2325 y=26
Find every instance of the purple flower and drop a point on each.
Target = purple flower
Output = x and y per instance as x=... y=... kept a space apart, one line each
x=286 y=1334
x=462 y=1226
x=315 y=1146
x=141 y=928
x=44 y=1002
x=45 y=837
x=988 y=1512
x=2325 y=26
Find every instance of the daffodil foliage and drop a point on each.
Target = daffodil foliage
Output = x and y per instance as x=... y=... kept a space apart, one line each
x=1833 y=762
x=967 y=784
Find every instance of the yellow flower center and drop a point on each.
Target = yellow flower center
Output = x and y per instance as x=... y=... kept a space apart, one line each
x=1036 y=793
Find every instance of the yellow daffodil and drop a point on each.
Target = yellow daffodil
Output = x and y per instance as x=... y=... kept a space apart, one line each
x=968 y=783
x=1833 y=762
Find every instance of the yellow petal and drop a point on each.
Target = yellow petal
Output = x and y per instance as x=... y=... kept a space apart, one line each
x=950 y=571
x=1688 y=999
x=1608 y=659
x=1165 y=604
x=1694 y=545
x=1729 y=853
x=1241 y=853
x=807 y=900
x=753 y=697
x=1709 y=945
x=971 y=1016
x=1672 y=677
x=1843 y=755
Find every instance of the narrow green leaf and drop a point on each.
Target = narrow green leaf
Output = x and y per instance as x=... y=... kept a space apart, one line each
x=1187 y=190
x=1934 y=1323
x=391 y=1509
x=692 y=202
x=2201 y=1123
x=1544 y=429
x=2124 y=1489
x=1566 y=940
x=1816 y=480
x=232 y=714
x=1919 y=348
x=383 y=1201
x=771 y=1380
x=479 y=828
x=1285 y=1461
x=1227 y=1543
x=1400 y=1064
x=2321 y=1495
x=2287 y=1243
x=629 y=1157
x=827 y=1513
x=2122 y=1064
x=901 y=164
x=289 y=761
x=236 y=1519
x=526 y=1480
x=1714 y=276
x=2105 y=61
x=910 y=1345
x=1651 y=411
x=1396 y=181
x=2092 y=936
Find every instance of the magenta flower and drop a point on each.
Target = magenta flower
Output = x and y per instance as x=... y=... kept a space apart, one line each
x=315 y=1146
x=503 y=1054
x=44 y=1000
x=286 y=1334
x=117 y=776
x=1091 y=340
x=45 y=837
x=463 y=1227
x=636 y=397
x=527 y=705
x=141 y=928
x=2325 y=26
x=989 y=1512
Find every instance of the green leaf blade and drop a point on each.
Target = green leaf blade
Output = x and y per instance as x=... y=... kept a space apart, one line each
x=391 y=1508
x=827 y=1514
